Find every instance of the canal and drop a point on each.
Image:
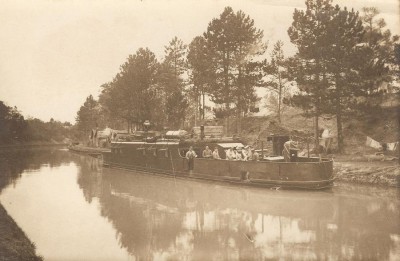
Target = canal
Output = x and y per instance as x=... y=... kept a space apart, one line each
x=74 y=209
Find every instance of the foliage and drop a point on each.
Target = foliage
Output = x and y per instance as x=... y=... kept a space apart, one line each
x=200 y=74
x=176 y=107
x=171 y=78
x=397 y=61
x=12 y=124
x=309 y=66
x=89 y=116
x=376 y=58
x=14 y=128
x=37 y=130
x=233 y=42
x=278 y=80
x=133 y=95
x=346 y=33
x=341 y=58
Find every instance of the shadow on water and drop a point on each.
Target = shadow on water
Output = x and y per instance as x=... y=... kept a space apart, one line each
x=14 y=162
x=176 y=219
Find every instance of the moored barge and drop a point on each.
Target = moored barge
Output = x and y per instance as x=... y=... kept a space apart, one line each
x=167 y=157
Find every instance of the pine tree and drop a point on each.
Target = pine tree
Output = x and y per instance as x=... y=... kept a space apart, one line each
x=133 y=94
x=172 y=70
x=376 y=56
x=278 y=78
x=200 y=75
x=309 y=66
x=233 y=41
x=346 y=33
x=88 y=116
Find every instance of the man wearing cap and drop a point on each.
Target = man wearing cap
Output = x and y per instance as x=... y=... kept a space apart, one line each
x=247 y=155
x=190 y=155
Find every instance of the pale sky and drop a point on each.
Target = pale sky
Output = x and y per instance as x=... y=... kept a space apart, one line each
x=53 y=54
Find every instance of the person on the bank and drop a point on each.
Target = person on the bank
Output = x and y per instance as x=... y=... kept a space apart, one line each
x=190 y=156
x=230 y=154
x=215 y=154
x=207 y=153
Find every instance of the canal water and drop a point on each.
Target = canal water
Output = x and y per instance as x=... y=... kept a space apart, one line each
x=73 y=209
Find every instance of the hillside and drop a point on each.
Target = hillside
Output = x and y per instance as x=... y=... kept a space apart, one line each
x=359 y=163
x=382 y=126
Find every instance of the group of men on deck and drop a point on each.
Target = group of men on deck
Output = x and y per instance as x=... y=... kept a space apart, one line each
x=248 y=153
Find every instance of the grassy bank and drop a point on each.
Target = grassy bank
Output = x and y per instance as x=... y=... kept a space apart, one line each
x=14 y=244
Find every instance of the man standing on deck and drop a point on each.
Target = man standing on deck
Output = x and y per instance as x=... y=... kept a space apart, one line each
x=216 y=154
x=207 y=153
x=190 y=155
x=290 y=149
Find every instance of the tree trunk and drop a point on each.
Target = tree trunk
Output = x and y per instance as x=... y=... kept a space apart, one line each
x=227 y=120
x=279 y=97
x=316 y=130
x=339 y=131
x=339 y=118
x=197 y=110
x=203 y=111
x=238 y=121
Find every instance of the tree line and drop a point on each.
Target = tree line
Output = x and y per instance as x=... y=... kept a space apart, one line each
x=14 y=128
x=342 y=59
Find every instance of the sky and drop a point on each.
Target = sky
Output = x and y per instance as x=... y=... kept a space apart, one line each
x=53 y=54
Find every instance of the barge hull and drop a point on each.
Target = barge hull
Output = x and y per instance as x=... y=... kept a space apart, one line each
x=276 y=184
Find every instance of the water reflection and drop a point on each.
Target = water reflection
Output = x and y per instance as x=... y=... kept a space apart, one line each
x=175 y=219
x=14 y=162
x=154 y=218
x=49 y=206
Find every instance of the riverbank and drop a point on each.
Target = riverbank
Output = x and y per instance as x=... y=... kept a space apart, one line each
x=14 y=244
x=31 y=145
x=381 y=173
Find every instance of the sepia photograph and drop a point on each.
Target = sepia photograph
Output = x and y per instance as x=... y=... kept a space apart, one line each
x=199 y=130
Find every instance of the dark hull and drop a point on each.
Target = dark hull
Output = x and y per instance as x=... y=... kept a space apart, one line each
x=286 y=175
